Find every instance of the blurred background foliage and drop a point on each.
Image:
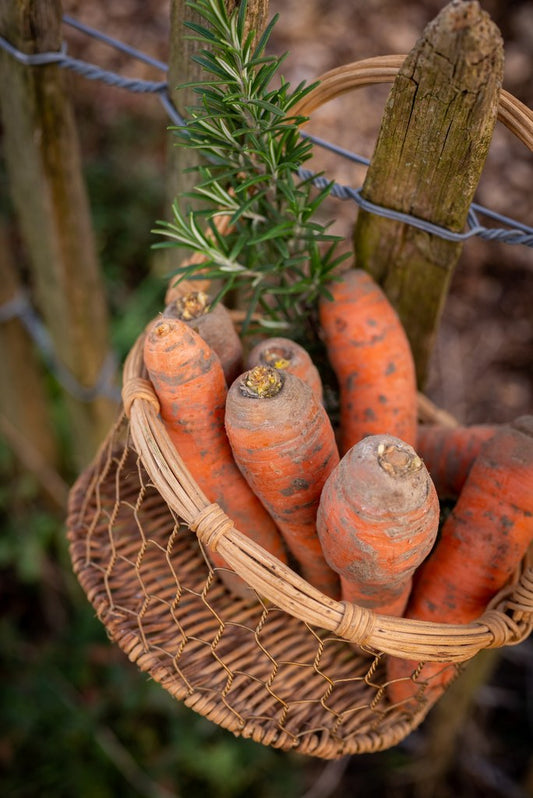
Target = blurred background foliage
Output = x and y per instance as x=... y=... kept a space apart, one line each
x=76 y=718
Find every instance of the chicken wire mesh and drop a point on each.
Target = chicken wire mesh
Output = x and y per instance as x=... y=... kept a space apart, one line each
x=250 y=667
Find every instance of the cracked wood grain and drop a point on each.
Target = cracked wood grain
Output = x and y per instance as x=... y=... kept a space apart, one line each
x=432 y=145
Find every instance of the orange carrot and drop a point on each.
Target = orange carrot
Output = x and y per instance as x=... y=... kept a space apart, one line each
x=215 y=326
x=377 y=520
x=286 y=355
x=284 y=444
x=371 y=357
x=190 y=385
x=481 y=544
x=449 y=452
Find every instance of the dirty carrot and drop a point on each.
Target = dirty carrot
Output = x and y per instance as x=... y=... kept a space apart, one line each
x=480 y=547
x=214 y=324
x=371 y=357
x=188 y=379
x=286 y=355
x=448 y=453
x=284 y=444
x=377 y=521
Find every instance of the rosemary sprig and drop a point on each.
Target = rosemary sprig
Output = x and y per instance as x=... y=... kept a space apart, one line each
x=275 y=254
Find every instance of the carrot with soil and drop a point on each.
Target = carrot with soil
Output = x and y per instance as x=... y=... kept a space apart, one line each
x=284 y=444
x=215 y=326
x=371 y=357
x=189 y=382
x=449 y=452
x=377 y=521
x=480 y=547
x=286 y=355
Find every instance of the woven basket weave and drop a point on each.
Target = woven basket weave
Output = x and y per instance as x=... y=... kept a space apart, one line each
x=295 y=669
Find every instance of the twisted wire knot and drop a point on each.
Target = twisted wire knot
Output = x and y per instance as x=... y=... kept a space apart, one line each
x=210 y=525
x=356 y=624
x=138 y=388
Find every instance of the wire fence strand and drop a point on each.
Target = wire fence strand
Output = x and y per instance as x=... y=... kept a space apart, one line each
x=510 y=230
x=514 y=232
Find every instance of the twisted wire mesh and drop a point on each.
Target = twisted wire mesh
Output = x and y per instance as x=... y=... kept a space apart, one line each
x=251 y=668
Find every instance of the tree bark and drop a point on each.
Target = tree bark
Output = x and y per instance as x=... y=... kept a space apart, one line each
x=23 y=398
x=182 y=69
x=430 y=152
x=44 y=171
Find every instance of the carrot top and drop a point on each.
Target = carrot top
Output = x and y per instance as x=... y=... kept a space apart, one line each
x=191 y=305
x=261 y=382
x=285 y=354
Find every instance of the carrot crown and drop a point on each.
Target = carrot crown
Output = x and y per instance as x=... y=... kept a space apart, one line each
x=191 y=305
x=396 y=461
x=277 y=357
x=261 y=382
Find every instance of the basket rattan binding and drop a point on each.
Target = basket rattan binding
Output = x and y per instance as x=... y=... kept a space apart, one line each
x=294 y=670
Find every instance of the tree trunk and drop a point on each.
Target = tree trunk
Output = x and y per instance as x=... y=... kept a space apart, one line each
x=431 y=149
x=23 y=399
x=182 y=69
x=44 y=171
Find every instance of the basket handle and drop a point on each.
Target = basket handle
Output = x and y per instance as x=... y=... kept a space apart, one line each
x=516 y=116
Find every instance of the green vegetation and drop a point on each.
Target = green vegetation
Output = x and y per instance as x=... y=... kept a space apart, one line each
x=275 y=254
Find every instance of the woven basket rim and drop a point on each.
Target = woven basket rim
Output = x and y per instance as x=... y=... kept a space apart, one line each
x=507 y=621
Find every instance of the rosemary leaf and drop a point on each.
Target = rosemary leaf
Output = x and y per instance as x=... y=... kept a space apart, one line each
x=275 y=253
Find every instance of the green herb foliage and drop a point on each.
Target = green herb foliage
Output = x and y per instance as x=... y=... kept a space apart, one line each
x=275 y=255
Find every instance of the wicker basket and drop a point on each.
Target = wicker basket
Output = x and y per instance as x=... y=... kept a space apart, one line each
x=295 y=669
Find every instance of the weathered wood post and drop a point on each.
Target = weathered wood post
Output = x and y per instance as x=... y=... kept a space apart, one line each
x=43 y=163
x=432 y=145
x=25 y=419
x=182 y=69
x=431 y=149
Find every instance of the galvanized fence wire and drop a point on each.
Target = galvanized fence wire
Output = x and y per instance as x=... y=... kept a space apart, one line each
x=513 y=232
x=19 y=307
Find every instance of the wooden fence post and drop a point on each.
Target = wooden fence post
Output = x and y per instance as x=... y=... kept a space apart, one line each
x=431 y=149
x=25 y=420
x=43 y=163
x=182 y=69
x=428 y=159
